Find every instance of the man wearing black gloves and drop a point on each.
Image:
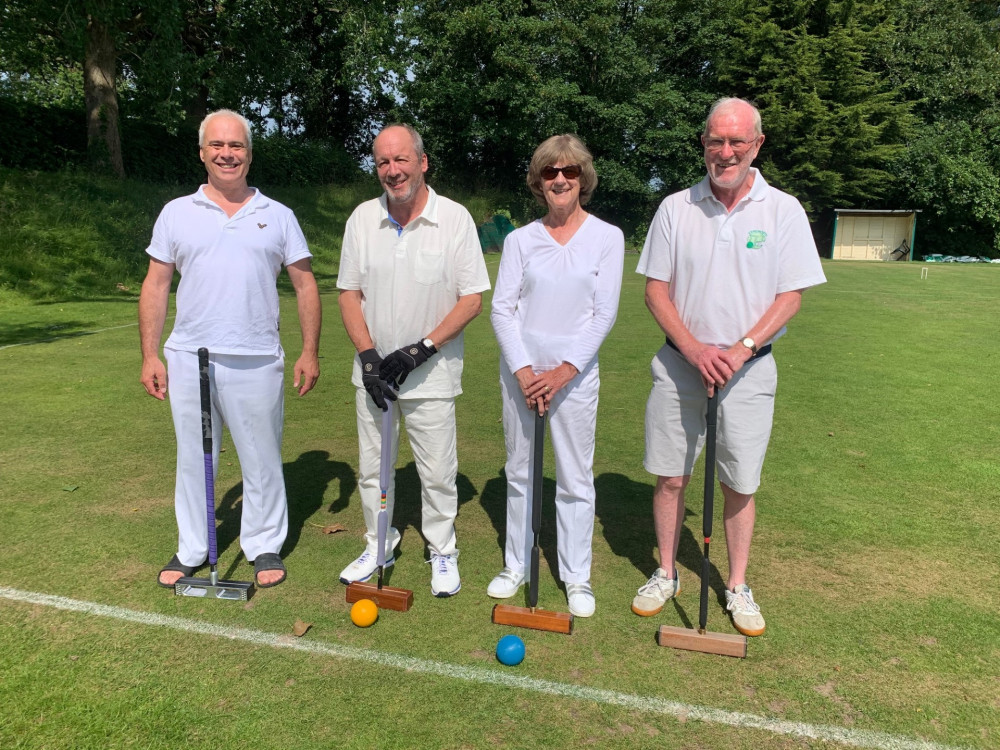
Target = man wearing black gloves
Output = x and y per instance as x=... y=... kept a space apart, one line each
x=411 y=278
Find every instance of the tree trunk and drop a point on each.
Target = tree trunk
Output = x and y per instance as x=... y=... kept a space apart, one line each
x=104 y=146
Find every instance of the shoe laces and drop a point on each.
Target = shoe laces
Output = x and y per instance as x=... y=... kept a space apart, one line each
x=365 y=558
x=656 y=585
x=441 y=563
x=743 y=601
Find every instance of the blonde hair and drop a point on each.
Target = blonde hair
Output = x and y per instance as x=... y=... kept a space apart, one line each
x=566 y=149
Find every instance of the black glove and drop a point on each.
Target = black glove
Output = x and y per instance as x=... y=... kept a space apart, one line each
x=377 y=388
x=400 y=363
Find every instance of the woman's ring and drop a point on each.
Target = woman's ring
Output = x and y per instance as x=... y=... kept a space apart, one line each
x=548 y=388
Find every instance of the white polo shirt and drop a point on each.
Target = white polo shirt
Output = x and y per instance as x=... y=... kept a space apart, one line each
x=410 y=280
x=726 y=268
x=227 y=299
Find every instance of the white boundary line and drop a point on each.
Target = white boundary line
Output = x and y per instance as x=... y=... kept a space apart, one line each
x=850 y=737
x=67 y=336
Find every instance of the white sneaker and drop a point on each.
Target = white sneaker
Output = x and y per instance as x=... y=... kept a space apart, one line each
x=745 y=611
x=505 y=585
x=655 y=593
x=363 y=568
x=581 y=599
x=445 y=580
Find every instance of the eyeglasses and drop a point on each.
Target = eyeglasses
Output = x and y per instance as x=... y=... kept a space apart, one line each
x=738 y=145
x=570 y=172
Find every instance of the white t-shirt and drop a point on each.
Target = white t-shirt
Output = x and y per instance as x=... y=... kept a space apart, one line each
x=227 y=299
x=726 y=268
x=556 y=303
x=410 y=280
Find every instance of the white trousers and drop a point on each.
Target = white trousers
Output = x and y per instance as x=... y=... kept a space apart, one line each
x=572 y=420
x=430 y=426
x=247 y=393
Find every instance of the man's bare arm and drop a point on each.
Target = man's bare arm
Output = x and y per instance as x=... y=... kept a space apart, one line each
x=153 y=301
x=310 y=309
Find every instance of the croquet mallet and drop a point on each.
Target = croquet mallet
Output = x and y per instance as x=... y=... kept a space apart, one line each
x=211 y=587
x=724 y=644
x=385 y=597
x=531 y=616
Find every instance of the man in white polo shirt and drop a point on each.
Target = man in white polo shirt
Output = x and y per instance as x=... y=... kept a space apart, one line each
x=228 y=242
x=726 y=262
x=411 y=278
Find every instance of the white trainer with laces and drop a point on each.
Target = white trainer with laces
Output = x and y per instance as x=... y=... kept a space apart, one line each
x=506 y=584
x=744 y=610
x=581 y=599
x=445 y=580
x=365 y=566
x=655 y=593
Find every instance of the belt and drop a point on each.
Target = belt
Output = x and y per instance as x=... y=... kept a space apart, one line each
x=762 y=352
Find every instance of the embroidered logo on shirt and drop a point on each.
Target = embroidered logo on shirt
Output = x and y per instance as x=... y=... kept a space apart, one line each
x=756 y=238
x=261 y=226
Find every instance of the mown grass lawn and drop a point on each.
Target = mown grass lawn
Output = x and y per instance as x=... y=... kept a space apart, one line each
x=874 y=558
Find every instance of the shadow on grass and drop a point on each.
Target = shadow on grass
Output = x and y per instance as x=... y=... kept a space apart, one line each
x=50 y=328
x=406 y=512
x=494 y=502
x=41 y=333
x=625 y=510
x=306 y=480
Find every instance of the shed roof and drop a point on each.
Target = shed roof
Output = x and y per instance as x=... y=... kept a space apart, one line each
x=878 y=211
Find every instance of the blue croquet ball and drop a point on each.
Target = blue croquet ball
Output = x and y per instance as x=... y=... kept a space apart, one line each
x=510 y=650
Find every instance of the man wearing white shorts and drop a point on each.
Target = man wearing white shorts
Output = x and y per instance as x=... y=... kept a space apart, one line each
x=411 y=277
x=726 y=262
x=229 y=243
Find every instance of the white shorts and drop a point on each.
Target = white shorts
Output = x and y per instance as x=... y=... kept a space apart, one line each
x=675 y=420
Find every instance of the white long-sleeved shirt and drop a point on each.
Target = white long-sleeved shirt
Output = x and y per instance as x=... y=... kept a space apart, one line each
x=556 y=303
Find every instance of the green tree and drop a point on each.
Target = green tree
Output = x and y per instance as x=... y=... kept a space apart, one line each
x=40 y=38
x=316 y=68
x=834 y=124
x=945 y=59
x=491 y=80
x=306 y=67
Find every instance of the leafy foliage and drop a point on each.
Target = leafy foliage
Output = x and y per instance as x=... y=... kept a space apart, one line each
x=504 y=75
x=945 y=60
x=833 y=124
x=884 y=104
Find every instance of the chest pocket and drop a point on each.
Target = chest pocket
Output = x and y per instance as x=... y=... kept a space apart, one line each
x=428 y=267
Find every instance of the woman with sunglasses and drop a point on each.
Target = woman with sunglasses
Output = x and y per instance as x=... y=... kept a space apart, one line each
x=555 y=301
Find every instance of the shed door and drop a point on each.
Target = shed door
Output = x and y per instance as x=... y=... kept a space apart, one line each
x=870 y=237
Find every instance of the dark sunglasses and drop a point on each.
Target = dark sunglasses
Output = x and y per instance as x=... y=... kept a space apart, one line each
x=570 y=172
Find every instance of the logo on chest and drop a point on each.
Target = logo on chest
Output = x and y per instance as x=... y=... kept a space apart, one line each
x=756 y=239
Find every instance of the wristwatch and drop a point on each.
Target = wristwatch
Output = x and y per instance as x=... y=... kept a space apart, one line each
x=430 y=345
x=749 y=344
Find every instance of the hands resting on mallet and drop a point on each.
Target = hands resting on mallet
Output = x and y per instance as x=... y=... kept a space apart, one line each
x=539 y=388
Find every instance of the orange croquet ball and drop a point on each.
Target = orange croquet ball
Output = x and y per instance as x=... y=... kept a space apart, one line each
x=364 y=613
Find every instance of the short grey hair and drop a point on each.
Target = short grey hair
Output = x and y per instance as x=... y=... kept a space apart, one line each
x=418 y=142
x=228 y=113
x=728 y=101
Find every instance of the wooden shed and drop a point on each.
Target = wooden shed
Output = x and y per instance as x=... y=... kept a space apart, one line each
x=869 y=234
